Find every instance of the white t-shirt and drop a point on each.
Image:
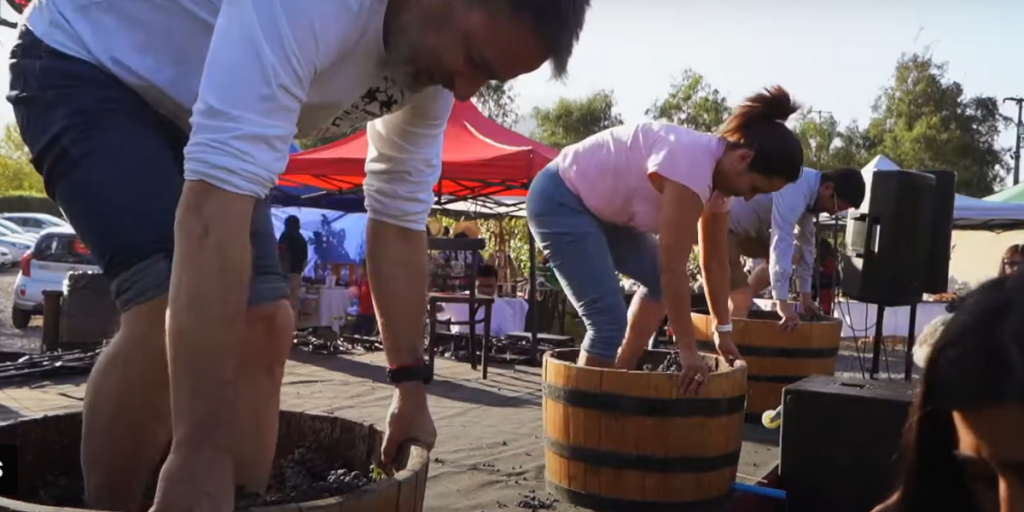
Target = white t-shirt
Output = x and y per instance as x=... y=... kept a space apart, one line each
x=249 y=76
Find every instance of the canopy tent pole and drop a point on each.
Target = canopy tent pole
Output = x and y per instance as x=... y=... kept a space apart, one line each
x=534 y=317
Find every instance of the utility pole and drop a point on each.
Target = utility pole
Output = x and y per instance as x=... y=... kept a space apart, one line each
x=1020 y=125
x=820 y=113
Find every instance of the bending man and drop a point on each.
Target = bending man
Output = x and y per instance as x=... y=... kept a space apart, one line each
x=764 y=227
x=154 y=147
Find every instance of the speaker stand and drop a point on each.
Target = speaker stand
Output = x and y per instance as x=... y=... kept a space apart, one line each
x=876 y=342
x=908 y=363
x=876 y=348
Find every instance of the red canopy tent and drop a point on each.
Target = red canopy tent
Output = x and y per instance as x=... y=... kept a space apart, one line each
x=479 y=158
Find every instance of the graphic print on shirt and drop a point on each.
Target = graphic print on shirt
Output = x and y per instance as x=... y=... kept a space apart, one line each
x=378 y=101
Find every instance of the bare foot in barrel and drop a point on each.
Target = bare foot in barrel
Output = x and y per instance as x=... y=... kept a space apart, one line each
x=195 y=482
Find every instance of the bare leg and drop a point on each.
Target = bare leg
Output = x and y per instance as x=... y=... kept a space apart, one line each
x=759 y=279
x=740 y=301
x=261 y=370
x=645 y=316
x=126 y=425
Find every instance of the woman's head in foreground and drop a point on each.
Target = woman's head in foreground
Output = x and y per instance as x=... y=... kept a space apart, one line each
x=763 y=155
x=964 y=444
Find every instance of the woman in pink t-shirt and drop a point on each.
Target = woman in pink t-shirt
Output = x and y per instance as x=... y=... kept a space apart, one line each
x=596 y=208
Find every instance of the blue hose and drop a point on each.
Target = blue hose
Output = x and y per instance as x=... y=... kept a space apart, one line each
x=778 y=494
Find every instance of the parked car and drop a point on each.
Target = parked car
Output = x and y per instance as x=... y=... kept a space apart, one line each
x=28 y=237
x=34 y=222
x=57 y=252
x=6 y=260
x=16 y=246
x=16 y=229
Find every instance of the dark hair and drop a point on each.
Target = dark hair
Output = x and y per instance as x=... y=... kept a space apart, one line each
x=1011 y=251
x=977 y=361
x=487 y=271
x=848 y=185
x=558 y=24
x=758 y=124
x=291 y=222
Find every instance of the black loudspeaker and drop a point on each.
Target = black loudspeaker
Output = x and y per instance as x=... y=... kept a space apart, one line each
x=936 y=270
x=887 y=245
x=840 y=439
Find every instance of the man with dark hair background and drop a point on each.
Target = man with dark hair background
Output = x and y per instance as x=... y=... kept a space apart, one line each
x=294 y=253
x=780 y=228
x=160 y=127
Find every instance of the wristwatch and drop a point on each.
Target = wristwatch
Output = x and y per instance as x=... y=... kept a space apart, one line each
x=421 y=372
x=723 y=328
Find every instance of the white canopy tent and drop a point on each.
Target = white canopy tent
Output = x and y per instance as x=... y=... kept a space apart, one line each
x=968 y=212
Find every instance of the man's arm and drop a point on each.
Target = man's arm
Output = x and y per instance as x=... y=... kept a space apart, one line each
x=260 y=63
x=787 y=207
x=402 y=166
x=805 y=240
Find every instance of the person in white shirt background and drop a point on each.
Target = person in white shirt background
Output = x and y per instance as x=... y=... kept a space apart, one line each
x=779 y=227
x=160 y=127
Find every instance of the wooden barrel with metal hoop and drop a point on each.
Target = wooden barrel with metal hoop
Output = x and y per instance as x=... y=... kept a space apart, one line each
x=623 y=441
x=774 y=358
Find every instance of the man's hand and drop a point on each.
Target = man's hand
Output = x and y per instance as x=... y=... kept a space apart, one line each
x=790 y=320
x=807 y=305
x=408 y=421
x=725 y=346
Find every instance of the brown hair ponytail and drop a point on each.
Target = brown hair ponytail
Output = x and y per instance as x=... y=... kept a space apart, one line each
x=758 y=124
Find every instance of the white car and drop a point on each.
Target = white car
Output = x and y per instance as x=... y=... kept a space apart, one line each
x=28 y=237
x=57 y=252
x=34 y=222
x=16 y=246
x=6 y=225
x=6 y=260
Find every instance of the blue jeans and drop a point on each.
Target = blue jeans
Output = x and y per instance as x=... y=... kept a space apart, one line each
x=115 y=167
x=585 y=254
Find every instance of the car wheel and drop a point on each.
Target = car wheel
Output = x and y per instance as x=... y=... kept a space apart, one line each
x=20 y=318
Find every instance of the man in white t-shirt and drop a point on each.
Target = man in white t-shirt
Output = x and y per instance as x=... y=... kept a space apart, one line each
x=160 y=126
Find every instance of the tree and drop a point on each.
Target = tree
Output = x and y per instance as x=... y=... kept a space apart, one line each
x=691 y=102
x=17 y=175
x=311 y=143
x=827 y=146
x=497 y=100
x=572 y=120
x=923 y=120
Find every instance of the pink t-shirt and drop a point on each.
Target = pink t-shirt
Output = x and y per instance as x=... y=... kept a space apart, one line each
x=609 y=170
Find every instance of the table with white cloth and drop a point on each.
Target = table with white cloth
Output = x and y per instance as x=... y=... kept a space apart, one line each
x=334 y=304
x=507 y=315
x=859 y=317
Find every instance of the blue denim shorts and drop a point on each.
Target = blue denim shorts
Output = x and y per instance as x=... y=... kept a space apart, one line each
x=586 y=253
x=115 y=167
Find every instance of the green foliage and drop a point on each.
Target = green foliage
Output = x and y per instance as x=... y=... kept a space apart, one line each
x=572 y=120
x=923 y=120
x=16 y=171
x=497 y=100
x=28 y=202
x=691 y=102
x=305 y=144
x=827 y=146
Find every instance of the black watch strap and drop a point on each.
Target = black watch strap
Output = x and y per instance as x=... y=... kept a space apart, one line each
x=414 y=373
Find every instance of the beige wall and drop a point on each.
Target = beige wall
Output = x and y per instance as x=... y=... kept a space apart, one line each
x=976 y=254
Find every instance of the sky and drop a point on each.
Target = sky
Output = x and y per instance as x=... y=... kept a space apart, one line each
x=832 y=55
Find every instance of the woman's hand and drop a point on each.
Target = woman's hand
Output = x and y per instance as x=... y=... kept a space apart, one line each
x=790 y=320
x=725 y=346
x=695 y=371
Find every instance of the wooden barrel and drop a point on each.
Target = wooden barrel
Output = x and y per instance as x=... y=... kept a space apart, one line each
x=625 y=441
x=49 y=446
x=774 y=358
